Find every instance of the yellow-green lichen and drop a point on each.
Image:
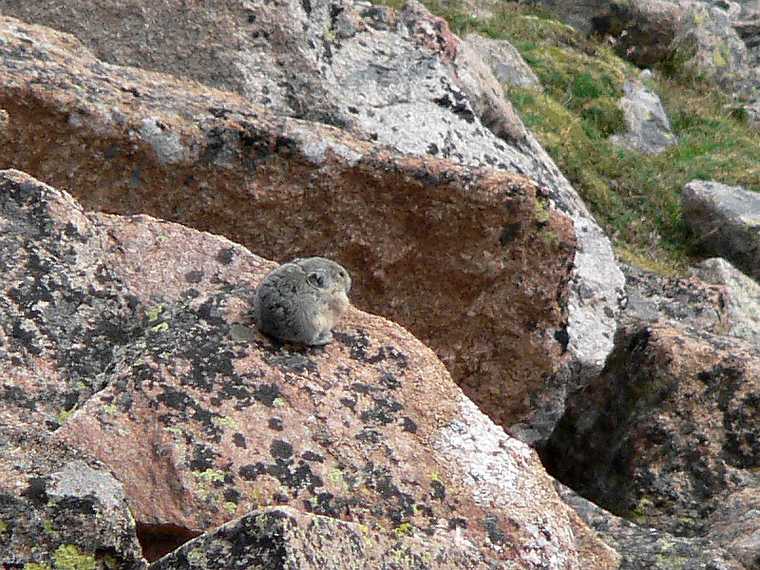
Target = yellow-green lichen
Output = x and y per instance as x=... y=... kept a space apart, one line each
x=47 y=526
x=404 y=529
x=110 y=409
x=36 y=566
x=278 y=402
x=69 y=557
x=335 y=476
x=196 y=557
x=209 y=475
x=230 y=507
x=174 y=430
x=225 y=422
x=154 y=312
x=3 y=526
x=160 y=327
x=64 y=415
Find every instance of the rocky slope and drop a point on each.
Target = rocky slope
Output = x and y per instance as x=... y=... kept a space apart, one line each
x=328 y=63
x=130 y=340
x=144 y=421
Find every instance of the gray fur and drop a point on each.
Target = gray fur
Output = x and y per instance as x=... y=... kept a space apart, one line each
x=301 y=301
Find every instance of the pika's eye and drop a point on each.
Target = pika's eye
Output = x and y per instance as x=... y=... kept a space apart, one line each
x=316 y=279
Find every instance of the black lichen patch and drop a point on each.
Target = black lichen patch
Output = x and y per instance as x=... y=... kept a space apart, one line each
x=408 y=425
x=383 y=412
x=281 y=449
x=226 y=255
x=457 y=104
x=36 y=490
x=399 y=506
x=267 y=394
x=203 y=458
x=742 y=423
x=293 y=363
x=275 y=424
x=291 y=474
x=311 y=456
x=493 y=530
x=194 y=276
x=438 y=490
x=239 y=440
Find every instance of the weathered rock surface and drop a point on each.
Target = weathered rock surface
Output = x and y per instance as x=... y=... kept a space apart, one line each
x=741 y=299
x=282 y=537
x=725 y=221
x=647 y=126
x=646 y=548
x=505 y=61
x=668 y=433
x=397 y=78
x=202 y=419
x=684 y=302
x=714 y=48
x=58 y=510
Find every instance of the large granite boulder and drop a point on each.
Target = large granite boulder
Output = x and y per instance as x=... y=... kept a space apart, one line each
x=668 y=436
x=725 y=221
x=130 y=141
x=131 y=340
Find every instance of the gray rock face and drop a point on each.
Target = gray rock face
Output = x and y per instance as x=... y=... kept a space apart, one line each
x=725 y=221
x=667 y=436
x=742 y=298
x=286 y=539
x=643 y=548
x=648 y=127
x=56 y=508
x=716 y=50
x=401 y=79
x=688 y=302
x=506 y=63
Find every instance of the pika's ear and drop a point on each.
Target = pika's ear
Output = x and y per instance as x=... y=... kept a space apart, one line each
x=316 y=279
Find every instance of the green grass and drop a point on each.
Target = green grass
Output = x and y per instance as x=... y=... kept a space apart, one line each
x=635 y=197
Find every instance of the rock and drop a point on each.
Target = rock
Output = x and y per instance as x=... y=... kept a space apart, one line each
x=714 y=49
x=684 y=302
x=668 y=433
x=203 y=419
x=486 y=96
x=735 y=524
x=642 y=547
x=643 y=30
x=58 y=510
x=282 y=537
x=400 y=79
x=725 y=221
x=741 y=301
x=647 y=126
x=505 y=61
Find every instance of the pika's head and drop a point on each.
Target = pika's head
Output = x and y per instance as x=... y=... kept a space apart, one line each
x=327 y=277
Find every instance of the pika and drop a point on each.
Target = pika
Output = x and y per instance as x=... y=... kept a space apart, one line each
x=301 y=301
